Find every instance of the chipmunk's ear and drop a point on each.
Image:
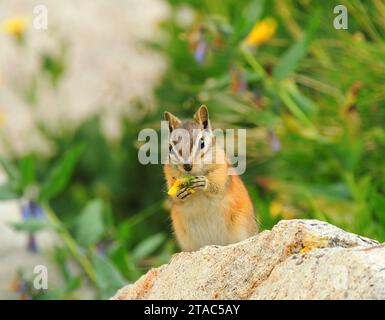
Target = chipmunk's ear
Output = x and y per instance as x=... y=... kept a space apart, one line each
x=202 y=117
x=173 y=121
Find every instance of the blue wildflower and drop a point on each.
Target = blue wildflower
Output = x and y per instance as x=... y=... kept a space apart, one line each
x=32 y=210
x=200 y=51
x=275 y=144
x=103 y=246
x=32 y=244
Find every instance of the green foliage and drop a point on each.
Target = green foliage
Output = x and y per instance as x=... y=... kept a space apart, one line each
x=10 y=169
x=60 y=174
x=7 y=192
x=89 y=226
x=108 y=278
x=148 y=246
x=294 y=54
x=31 y=225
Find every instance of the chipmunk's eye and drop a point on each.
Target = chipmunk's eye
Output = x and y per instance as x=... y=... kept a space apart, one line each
x=170 y=147
x=202 y=143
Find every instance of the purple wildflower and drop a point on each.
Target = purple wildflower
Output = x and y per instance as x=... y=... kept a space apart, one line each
x=26 y=212
x=32 y=244
x=200 y=51
x=274 y=142
x=103 y=246
x=32 y=210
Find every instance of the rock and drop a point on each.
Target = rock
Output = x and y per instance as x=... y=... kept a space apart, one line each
x=297 y=259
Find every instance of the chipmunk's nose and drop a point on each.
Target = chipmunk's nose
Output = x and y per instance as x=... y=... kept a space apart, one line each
x=187 y=167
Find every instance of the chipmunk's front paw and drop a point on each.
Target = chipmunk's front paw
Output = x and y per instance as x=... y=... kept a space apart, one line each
x=184 y=193
x=200 y=183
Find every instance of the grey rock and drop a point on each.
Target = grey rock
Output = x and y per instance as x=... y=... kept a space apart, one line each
x=297 y=259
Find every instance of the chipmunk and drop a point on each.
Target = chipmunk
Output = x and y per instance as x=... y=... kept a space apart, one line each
x=215 y=209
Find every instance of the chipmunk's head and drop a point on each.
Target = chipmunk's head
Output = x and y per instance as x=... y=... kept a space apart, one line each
x=191 y=144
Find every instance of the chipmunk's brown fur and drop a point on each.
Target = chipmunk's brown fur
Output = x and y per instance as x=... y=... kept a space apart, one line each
x=219 y=210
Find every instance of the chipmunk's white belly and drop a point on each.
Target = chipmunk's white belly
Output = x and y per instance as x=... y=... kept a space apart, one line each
x=204 y=219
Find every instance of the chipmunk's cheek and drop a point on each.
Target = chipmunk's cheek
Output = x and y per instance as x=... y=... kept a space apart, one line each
x=181 y=169
x=197 y=169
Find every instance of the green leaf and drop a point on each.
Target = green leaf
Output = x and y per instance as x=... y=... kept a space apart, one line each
x=89 y=227
x=32 y=225
x=108 y=277
x=293 y=107
x=27 y=170
x=60 y=175
x=148 y=246
x=292 y=57
x=307 y=106
x=7 y=192
x=250 y=15
x=60 y=255
x=54 y=66
x=10 y=169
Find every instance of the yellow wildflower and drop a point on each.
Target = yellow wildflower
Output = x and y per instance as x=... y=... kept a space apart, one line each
x=262 y=32
x=179 y=184
x=358 y=37
x=15 y=25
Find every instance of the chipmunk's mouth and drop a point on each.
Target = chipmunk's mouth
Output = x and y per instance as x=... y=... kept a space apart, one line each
x=190 y=169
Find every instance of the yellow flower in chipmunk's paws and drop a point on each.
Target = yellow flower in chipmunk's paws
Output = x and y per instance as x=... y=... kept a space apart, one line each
x=15 y=25
x=262 y=32
x=179 y=184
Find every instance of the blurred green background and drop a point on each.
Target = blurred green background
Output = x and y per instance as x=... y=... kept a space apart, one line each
x=311 y=97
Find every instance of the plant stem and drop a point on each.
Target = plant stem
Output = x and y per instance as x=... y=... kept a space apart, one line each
x=71 y=244
x=252 y=62
x=292 y=106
